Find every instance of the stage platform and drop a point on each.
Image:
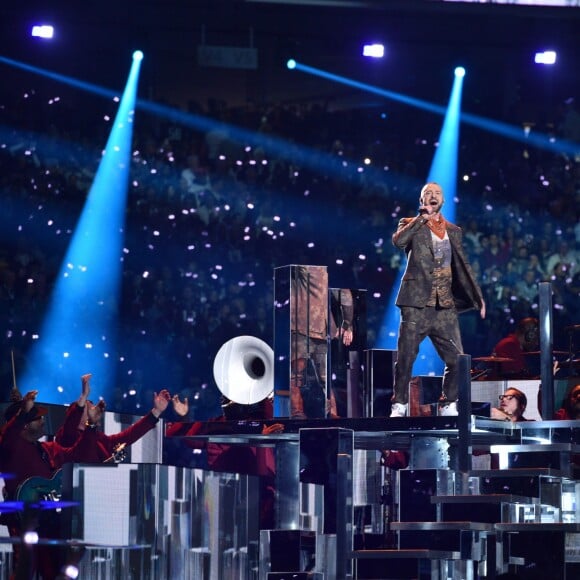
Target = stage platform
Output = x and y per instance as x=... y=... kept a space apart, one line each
x=318 y=501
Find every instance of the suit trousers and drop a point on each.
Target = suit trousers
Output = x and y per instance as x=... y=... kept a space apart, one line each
x=441 y=325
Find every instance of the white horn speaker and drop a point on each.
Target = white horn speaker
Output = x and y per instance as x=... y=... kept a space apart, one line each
x=243 y=370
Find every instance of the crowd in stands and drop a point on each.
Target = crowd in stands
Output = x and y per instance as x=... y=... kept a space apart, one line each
x=209 y=218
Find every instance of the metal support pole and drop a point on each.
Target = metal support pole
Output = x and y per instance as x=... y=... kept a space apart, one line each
x=546 y=346
x=464 y=412
x=326 y=459
x=287 y=485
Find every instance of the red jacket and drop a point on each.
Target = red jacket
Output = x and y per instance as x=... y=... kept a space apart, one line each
x=105 y=444
x=562 y=415
x=237 y=458
x=509 y=347
x=24 y=459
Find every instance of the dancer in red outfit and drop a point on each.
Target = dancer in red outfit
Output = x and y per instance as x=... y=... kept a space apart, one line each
x=24 y=457
x=106 y=445
x=245 y=459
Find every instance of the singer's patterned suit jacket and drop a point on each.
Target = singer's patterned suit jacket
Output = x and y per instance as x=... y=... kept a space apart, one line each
x=414 y=237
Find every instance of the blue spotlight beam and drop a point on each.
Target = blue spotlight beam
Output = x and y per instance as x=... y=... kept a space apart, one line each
x=66 y=80
x=444 y=171
x=78 y=333
x=420 y=104
x=515 y=133
x=313 y=159
x=538 y=140
x=444 y=165
x=310 y=158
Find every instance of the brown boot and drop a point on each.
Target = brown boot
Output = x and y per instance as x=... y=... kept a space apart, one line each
x=296 y=403
x=331 y=409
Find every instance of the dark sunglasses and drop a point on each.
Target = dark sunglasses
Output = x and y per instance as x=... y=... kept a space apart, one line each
x=507 y=397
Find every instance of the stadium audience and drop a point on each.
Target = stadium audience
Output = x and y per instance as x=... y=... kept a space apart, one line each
x=208 y=218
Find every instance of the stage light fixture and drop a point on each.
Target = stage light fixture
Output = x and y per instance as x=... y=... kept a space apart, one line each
x=30 y=537
x=374 y=50
x=71 y=572
x=138 y=55
x=291 y=64
x=546 y=57
x=460 y=72
x=42 y=31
